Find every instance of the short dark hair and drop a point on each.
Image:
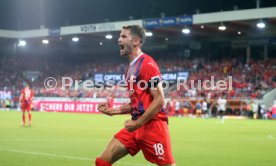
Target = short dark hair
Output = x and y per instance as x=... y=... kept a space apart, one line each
x=26 y=85
x=138 y=31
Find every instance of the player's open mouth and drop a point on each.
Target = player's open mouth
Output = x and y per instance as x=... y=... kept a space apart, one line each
x=122 y=47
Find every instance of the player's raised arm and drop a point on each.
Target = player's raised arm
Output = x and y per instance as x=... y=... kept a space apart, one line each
x=124 y=109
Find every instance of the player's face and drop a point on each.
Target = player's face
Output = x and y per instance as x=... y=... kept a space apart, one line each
x=125 y=42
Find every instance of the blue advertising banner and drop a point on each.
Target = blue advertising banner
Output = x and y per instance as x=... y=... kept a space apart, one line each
x=167 y=21
x=151 y=22
x=54 y=32
x=185 y=20
x=168 y=76
x=183 y=75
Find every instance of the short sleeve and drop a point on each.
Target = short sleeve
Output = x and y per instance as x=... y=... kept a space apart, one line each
x=150 y=72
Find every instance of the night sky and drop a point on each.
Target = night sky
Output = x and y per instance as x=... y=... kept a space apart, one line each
x=30 y=14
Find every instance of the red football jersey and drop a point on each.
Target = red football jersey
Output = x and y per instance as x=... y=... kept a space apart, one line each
x=27 y=96
x=138 y=75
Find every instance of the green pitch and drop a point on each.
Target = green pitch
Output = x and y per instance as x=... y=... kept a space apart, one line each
x=64 y=139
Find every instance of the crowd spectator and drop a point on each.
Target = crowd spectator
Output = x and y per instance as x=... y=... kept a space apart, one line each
x=250 y=80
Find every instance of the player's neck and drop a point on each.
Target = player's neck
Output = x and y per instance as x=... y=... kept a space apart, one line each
x=134 y=54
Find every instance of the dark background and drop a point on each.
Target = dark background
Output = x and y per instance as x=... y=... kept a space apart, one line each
x=30 y=14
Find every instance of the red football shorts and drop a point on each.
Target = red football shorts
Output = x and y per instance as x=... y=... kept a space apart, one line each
x=152 y=138
x=26 y=107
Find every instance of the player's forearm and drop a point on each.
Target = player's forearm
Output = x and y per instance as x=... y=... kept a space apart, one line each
x=156 y=105
x=124 y=109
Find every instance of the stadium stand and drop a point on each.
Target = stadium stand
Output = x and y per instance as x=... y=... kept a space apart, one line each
x=250 y=80
x=246 y=56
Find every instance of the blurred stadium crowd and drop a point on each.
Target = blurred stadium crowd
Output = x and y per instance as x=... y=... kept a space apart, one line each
x=250 y=79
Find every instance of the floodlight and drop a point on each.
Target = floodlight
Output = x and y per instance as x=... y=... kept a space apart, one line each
x=108 y=36
x=222 y=27
x=21 y=43
x=260 y=24
x=149 y=34
x=75 y=39
x=186 y=31
x=45 y=41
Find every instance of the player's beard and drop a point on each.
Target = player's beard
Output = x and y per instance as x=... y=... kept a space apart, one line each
x=126 y=50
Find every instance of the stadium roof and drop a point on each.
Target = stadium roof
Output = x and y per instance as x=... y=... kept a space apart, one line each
x=241 y=25
x=30 y=14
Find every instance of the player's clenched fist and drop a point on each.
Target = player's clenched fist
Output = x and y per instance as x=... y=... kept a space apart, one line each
x=131 y=125
x=103 y=107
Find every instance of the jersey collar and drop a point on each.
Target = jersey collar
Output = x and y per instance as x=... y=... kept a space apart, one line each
x=134 y=60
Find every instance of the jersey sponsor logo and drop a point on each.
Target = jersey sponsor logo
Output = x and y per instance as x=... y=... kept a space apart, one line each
x=150 y=63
